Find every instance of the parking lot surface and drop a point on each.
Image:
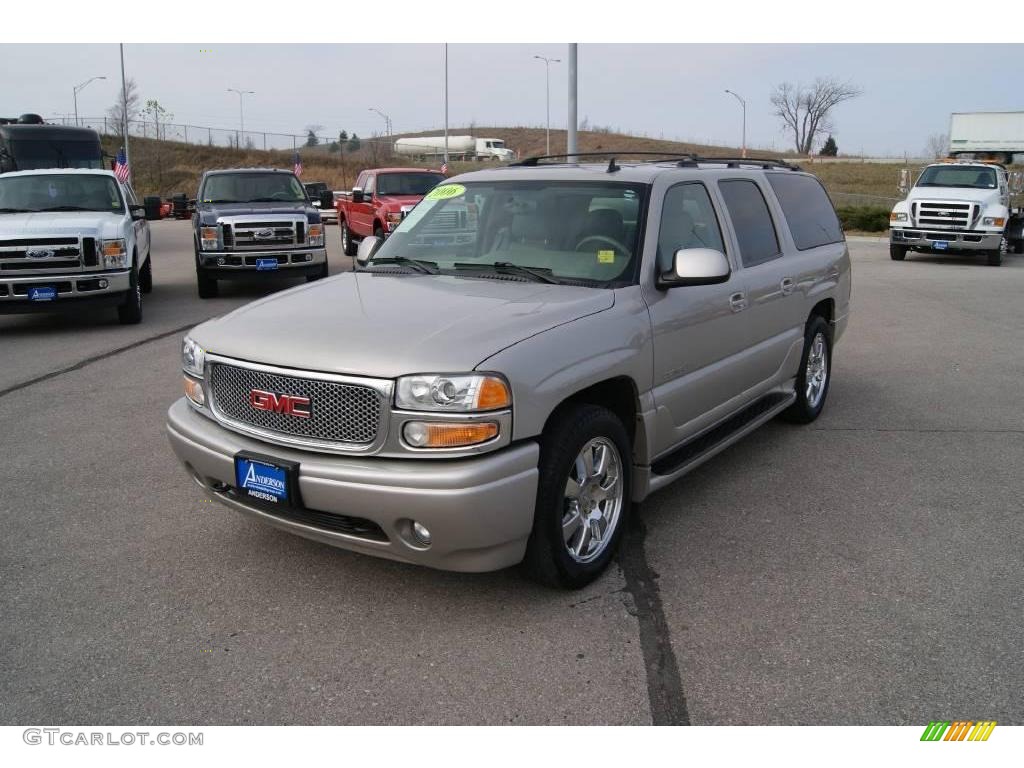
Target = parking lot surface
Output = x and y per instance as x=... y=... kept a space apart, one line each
x=864 y=569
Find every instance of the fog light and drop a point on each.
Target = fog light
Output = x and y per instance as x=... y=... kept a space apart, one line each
x=309 y=257
x=194 y=391
x=419 y=530
x=103 y=284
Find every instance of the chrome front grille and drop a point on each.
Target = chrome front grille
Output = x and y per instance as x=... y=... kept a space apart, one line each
x=943 y=214
x=42 y=255
x=262 y=234
x=342 y=414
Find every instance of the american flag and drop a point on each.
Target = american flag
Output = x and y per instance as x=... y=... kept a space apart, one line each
x=121 y=167
x=297 y=162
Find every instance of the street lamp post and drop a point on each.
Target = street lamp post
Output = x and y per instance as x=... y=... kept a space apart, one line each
x=744 y=105
x=241 y=113
x=387 y=121
x=78 y=88
x=547 y=94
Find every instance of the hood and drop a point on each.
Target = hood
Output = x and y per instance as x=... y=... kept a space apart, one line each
x=210 y=212
x=955 y=195
x=395 y=202
x=391 y=325
x=62 y=223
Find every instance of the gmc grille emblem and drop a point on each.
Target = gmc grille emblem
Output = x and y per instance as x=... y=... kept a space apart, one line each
x=291 y=405
x=264 y=234
x=39 y=254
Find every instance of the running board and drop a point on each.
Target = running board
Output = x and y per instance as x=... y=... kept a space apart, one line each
x=694 y=453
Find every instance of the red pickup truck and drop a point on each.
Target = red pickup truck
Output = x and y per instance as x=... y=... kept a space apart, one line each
x=379 y=200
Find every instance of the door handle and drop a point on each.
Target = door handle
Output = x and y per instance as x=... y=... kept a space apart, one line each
x=787 y=285
x=738 y=302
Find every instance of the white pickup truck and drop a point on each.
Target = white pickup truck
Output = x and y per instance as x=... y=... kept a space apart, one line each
x=960 y=206
x=72 y=238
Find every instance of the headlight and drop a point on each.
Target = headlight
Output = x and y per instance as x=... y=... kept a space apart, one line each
x=394 y=217
x=315 y=234
x=208 y=238
x=115 y=254
x=436 y=392
x=897 y=216
x=993 y=221
x=193 y=357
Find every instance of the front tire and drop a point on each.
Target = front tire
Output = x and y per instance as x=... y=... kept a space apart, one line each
x=995 y=258
x=897 y=252
x=815 y=373
x=584 y=496
x=347 y=245
x=146 y=276
x=320 y=274
x=206 y=285
x=130 y=311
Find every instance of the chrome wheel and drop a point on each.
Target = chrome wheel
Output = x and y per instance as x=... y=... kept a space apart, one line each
x=344 y=237
x=593 y=500
x=816 y=373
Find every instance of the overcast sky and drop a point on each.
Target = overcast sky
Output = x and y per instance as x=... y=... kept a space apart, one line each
x=674 y=91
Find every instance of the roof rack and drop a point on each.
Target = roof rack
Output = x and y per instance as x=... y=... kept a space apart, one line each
x=681 y=159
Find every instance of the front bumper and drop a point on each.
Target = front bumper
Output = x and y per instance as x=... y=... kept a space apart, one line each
x=962 y=240
x=479 y=510
x=74 y=290
x=293 y=262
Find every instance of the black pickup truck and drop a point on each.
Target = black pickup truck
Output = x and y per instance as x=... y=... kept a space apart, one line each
x=255 y=221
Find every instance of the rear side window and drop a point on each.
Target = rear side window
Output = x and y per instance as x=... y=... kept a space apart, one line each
x=755 y=231
x=809 y=213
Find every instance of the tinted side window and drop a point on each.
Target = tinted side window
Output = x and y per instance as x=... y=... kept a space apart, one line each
x=687 y=221
x=809 y=213
x=370 y=184
x=361 y=180
x=755 y=231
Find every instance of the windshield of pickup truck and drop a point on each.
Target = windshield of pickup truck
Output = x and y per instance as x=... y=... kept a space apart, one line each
x=252 y=188
x=59 y=192
x=576 y=232
x=407 y=183
x=968 y=176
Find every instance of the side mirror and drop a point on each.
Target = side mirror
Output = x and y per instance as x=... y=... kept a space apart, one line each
x=357 y=195
x=903 y=185
x=696 y=266
x=367 y=247
x=326 y=200
x=138 y=212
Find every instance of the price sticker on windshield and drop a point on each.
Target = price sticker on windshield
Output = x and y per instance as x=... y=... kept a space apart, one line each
x=446 y=192
x=606 y=257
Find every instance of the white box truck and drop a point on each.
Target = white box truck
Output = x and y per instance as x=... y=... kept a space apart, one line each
x=994 y=136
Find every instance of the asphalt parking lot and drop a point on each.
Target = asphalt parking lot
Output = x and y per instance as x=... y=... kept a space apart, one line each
x=865 y=569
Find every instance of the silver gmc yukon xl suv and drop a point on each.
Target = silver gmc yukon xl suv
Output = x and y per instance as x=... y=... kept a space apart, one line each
x=533 y=350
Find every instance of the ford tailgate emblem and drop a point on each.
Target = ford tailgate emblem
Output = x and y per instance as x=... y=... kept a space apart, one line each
x=39 y=253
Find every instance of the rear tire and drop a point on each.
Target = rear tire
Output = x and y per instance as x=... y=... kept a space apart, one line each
x=130 y=311
x=347 y=245
x=897 y=252
x=582 y=505
x=146 y=276
x=815 y=375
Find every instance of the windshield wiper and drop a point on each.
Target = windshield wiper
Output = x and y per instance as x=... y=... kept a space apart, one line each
x=16 y=210
x=537 y=274
x=271 y=200
x=426 y=267
x=66 y=208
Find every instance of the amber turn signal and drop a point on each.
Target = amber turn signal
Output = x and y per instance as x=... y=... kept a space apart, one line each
x=194 y=391
x=440 y=434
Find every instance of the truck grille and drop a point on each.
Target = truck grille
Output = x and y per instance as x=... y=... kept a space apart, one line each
x=262 y=234
x=942 y=214
x=43 y=255
x=340 y=413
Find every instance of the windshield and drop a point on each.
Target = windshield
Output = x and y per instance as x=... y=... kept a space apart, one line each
x=60 y=192
x=969 y=176
x=407 y=183
x=582 y=233
x=30 y=154
x=252 y=188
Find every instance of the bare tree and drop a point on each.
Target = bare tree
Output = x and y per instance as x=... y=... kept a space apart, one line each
x=805 y=112
x=937 y=146
x=123 y=106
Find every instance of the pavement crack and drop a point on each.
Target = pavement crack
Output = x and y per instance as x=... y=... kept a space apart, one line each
x=94 y=359
x=664 y=684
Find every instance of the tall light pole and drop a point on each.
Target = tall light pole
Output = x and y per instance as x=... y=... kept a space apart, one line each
x=744 y=105
x=78 y=88
x=124 y=113
x=241 y=113
x=547 y=94
x=571 y=138
x=387 y=121
x=446 y=107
